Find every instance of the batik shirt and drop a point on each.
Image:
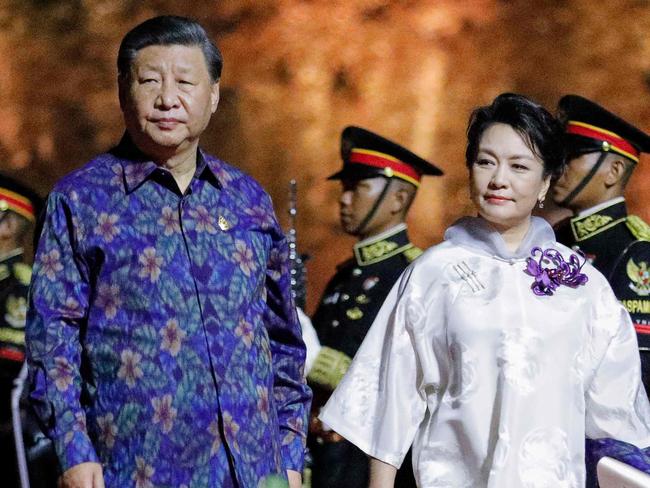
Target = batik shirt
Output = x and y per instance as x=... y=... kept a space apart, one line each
x=162 y=337
x=494 y=385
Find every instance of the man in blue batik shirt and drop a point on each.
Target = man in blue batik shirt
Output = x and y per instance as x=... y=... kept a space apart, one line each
x=163 y=342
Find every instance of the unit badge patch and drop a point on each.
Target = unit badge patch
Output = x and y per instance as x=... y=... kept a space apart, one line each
x=639 y=275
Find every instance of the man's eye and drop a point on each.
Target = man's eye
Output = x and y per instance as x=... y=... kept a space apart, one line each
x=483 y=162
x=145 y=81
x=185 y=82
x=520 y=167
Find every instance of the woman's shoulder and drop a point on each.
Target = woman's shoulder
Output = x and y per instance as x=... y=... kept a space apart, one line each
x=438 y=255
x=434 y=262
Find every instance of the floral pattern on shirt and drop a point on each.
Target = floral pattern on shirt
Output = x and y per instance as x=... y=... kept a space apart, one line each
x=163 y=343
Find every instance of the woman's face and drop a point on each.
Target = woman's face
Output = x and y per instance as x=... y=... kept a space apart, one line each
x=507 y=178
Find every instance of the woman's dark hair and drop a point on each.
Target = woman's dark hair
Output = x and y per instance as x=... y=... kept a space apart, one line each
x=167 y=30
x=541 y=131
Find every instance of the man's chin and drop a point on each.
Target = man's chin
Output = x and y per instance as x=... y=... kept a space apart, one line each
x=558 y=197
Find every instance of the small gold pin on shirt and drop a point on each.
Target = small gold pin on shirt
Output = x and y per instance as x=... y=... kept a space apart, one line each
x=223 y=223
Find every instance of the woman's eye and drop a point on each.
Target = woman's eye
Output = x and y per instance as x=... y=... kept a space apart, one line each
x=185 y=82
x=147 y=81
x=520 y=167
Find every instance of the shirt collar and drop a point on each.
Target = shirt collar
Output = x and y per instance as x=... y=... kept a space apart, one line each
x=477 y=233
x=598 y=219
x=137 y=167
x=600 y=206
x=382 y=246
x=12 y=255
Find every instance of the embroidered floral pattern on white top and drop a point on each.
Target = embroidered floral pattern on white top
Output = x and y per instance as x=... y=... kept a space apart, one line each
x=493 y=385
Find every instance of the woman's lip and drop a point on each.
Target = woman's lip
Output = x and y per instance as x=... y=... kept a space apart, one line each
x=498 y=198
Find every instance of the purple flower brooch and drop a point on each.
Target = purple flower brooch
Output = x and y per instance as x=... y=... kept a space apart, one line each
x=550 y=270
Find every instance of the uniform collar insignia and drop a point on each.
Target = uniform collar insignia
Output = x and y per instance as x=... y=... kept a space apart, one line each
x=591 y=224
x=383 y=246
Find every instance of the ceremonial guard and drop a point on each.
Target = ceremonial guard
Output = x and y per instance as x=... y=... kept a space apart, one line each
x=379 y=180
x=602 y=152
x=18 y=209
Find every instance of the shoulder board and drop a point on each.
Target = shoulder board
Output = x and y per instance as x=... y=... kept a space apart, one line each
x=412 y=253
x=638 y=227
x=23 y=273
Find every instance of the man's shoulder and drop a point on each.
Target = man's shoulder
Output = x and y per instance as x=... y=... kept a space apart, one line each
x=638 y=227
x=100 y=170
x=232 y=177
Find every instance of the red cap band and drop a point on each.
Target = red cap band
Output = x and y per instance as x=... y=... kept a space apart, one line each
x=617 y=143
x=391 y=165
x=19 y=204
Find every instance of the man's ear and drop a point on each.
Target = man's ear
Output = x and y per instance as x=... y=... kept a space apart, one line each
x=214 y=97
x=401 y=199
x=616 y=170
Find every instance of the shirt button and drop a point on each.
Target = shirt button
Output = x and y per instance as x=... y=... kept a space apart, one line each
x=345 y=297
x=356 y=272
x=335 y=323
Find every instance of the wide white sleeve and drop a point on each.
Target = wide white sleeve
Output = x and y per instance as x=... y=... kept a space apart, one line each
x=382 y=399
x=310 y=338
x=616 y=401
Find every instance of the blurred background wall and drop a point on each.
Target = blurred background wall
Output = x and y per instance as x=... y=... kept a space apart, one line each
x=297 y=71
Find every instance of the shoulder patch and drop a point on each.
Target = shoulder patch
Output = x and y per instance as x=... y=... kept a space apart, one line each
x=23 y=273
x=638 y=227
x=412 y=253
x=639 y=276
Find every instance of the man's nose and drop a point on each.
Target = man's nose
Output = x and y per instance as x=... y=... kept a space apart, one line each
x=168 y=96
x=346 y=197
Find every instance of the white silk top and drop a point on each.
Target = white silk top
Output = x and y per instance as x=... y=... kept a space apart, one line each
x=493 y=385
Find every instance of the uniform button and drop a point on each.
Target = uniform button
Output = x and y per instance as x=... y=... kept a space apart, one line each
x=335 y=323
x=356 y=272
x=345 y=297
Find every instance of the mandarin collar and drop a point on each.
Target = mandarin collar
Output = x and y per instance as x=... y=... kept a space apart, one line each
x=138 y=167
x=476 y=233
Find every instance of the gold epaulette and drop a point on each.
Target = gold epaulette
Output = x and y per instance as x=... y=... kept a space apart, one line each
x=23 y=273
x=638 y=227
x=413 y=252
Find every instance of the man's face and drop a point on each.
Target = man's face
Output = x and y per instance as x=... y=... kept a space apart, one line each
x=168 y=99
x=575 y=172
x=357 y=199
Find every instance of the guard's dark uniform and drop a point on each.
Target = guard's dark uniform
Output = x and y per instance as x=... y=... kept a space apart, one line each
x=355 y=294
x=14 y=285
x=616 y=243
x=349 y=305
x=353 y=298
x=15 y=276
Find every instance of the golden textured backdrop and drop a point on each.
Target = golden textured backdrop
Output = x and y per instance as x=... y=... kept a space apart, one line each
x=297 y=71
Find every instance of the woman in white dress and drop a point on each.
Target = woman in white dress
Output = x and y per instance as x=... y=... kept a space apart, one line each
x=499 y=350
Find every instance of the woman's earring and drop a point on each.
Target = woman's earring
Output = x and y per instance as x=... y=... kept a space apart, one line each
x=540 y=203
